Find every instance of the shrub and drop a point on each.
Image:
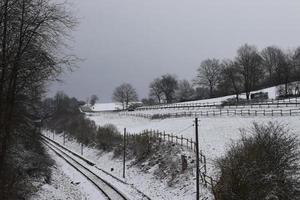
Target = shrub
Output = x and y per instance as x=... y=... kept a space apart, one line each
x=264 y=165
x=233 y=101
x=26 y=166
x=142 y=146
x=160 y=116
x=108 y=137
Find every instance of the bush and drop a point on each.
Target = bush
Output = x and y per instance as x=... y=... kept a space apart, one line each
x=142 y=146
x=108 y=137
x=233 y=101
x=26 y=166
x=264 y=165
x=139 y=146
x=161 y=116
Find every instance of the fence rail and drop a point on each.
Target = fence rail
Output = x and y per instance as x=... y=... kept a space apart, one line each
x=192 y=105
x=156 y=135
x=218 y=112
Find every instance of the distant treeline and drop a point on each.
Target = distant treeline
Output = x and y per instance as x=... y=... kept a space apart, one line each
x=248 y=71
x=65 y=117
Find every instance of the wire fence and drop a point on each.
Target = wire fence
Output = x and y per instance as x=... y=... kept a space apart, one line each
x=158 y=136
x=192 y=105
x=218 y=112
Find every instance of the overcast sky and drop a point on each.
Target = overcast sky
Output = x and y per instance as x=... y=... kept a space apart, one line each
x=136 y=41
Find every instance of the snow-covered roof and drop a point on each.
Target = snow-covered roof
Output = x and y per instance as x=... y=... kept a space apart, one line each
x=106 y=107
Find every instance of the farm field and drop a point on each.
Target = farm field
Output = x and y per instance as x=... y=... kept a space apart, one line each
x=215 y=133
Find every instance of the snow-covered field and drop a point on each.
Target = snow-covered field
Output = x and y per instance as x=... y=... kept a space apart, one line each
x=215 y=133
x=272 y=93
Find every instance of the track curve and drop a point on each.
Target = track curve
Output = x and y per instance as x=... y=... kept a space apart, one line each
x=108 y=190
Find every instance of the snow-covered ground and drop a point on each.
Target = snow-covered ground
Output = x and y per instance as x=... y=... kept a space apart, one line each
x=272 y=94
x=145 y=181
x=66 y=183
x=102 y=107
x=215 y=133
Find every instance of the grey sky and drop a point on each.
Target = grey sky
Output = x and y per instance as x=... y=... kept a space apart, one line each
x=136 y=41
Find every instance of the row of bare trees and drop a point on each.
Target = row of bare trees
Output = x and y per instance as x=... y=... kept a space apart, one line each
x=31 y=45
x=250 y=70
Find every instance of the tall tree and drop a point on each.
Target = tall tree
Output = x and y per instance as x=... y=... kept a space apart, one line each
x=94 y=98
x=272 y=59
x=209 y=74
x=231 y=75
x=169 y=84
x=156 y=90
x=296 y=63
x=285 y=70
x=185 y=91
x=31 y=32
x=125 y=94
x=249 y=63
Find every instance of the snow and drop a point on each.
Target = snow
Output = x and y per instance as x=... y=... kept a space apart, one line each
x=215 y=133
x=144 y=181
x=101 y=107
x=66 y=183
x=272 y=94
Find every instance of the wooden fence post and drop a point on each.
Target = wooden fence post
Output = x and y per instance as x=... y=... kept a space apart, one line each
x=187 y=143
x=204 y=159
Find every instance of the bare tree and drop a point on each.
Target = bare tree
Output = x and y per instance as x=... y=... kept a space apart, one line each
x=249 y=63
x=185 y=91
x=209 y=74
x=94 y=98
x=296 y=63
x=285 y=70
x=272 y=58
x=156 y=90
x=168 y=84
x=125 y=94
x=230 y=74
x=296 y=56
x=31 y=32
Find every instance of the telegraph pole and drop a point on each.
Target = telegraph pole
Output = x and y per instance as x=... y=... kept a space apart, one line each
x=124 y=152
x=197 y=159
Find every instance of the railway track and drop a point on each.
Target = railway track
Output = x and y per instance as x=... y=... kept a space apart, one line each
x=108 y=190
